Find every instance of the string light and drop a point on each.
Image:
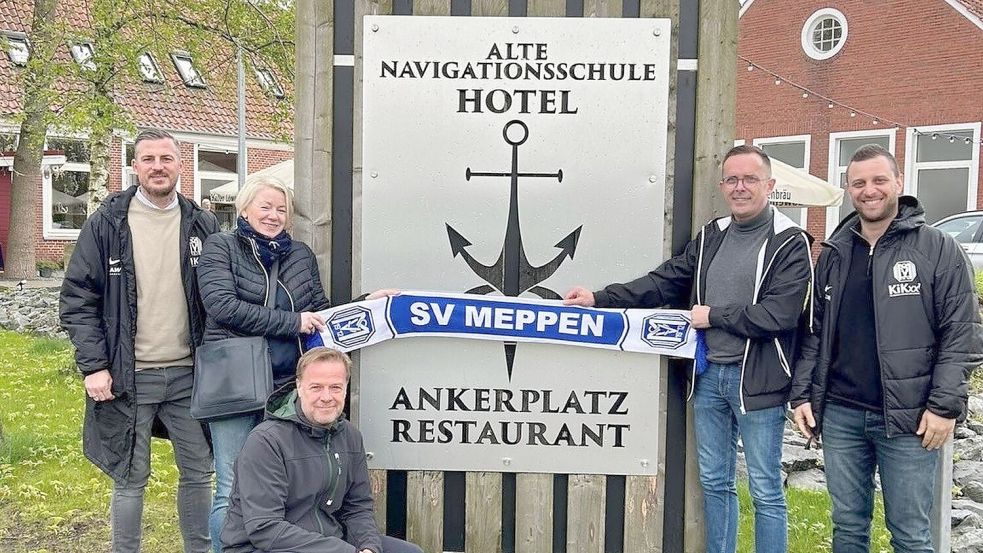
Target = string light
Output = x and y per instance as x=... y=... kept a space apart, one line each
x=831 y=104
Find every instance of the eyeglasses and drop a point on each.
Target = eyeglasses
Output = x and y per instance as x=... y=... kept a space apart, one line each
x=748 y=180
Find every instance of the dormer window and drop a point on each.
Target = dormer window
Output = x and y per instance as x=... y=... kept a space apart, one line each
x=149 y=69
x=185 y=67
x=268 y=82
x=18 y=47
x=82 y=54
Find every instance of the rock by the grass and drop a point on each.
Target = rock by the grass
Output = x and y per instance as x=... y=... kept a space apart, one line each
x=796 y=458
x=32 y=310
x=974 y=491
x=970 y=541
x=975 y=405
x=963 y=431
x=812 y=479
x=965 y=472
x=967 y=517
x=969 y=449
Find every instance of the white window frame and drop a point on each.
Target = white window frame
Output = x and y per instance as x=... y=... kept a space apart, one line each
x=807 y=140
x=129 y=175
x=833 y=169
x=158 y=76
x=196 y=80
x=82 y=53
x=202 y=175
x=807 y=29
x=21 y=42
x=48 y=232
x=268 y=82
x=912 y=166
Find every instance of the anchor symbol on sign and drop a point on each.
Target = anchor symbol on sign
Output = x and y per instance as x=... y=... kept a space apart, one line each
x=512 y=274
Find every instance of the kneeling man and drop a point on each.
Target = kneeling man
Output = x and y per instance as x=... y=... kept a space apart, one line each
x=301 y=481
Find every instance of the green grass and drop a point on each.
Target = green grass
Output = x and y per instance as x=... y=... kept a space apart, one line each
x=51 y=498
x=809 y=527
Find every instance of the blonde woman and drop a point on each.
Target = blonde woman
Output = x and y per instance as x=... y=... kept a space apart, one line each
x=234 y=279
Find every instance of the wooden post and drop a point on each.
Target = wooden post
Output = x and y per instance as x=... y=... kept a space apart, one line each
x=483 y=512
x=425 y=510
x=533 y=513
x=312 y=130
x=585 y=513
x=716 y=94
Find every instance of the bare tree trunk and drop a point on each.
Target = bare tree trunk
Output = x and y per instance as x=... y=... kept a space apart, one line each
x=21 y=256
x=99 y=142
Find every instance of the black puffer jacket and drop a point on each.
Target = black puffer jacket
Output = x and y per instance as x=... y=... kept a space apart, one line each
x=300 y=488
x=234 y=287
x=99 y=310
x=929 y=335
x=772 y=321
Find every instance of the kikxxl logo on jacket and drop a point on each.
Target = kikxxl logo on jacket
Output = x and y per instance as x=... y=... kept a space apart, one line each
x=904 y=273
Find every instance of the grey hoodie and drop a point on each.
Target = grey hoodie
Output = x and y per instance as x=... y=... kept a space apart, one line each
x=300 y=487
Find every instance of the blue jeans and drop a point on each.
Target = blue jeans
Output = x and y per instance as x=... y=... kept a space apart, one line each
x=165 y=394
x=718 y=421
x=228 y=437
x=855 y=442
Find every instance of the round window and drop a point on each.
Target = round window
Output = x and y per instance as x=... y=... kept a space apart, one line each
x=824 y=34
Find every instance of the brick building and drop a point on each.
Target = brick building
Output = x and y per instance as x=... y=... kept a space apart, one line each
x=174 y=95
x=818 y=79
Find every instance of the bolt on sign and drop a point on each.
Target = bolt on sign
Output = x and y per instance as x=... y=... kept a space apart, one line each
x=511 y=157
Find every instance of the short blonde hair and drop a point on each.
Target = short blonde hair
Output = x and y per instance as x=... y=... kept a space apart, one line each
x=322 y=354
x=252 y=188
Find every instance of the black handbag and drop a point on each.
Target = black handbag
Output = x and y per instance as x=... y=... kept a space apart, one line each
x=234 y=376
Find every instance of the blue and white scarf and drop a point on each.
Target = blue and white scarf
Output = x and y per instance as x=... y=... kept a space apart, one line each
x=357 y=325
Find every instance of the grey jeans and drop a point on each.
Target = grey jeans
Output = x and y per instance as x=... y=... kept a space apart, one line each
x=165 y=393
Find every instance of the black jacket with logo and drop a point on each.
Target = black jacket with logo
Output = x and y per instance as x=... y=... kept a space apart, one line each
x=98 y=308
x=772 y=321
x=927 y=320
x=300 y=488
x=234 y=286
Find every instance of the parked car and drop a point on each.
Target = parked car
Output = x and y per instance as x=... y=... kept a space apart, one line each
x=967 y=229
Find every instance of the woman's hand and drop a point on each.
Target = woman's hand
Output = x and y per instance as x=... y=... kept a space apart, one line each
x=310 y=322
x=382 y=293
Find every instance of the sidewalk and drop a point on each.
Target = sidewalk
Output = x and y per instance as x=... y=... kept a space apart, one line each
x=53 y=282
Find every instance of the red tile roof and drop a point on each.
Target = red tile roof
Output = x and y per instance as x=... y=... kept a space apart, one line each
x=974 y=6
x=170 y=105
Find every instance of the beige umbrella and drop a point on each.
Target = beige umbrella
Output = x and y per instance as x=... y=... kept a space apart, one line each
x=797 y=188
x=283 y=171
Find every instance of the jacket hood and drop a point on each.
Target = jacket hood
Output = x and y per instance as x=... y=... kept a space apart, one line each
x=911 y=215
x=282 y=405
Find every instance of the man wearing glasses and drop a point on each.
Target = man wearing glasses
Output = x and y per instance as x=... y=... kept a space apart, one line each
x=746 y=278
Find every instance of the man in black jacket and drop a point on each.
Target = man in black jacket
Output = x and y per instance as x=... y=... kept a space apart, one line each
x=301 y=480
x=130 y=304
x=884 y=377
x=746 y=278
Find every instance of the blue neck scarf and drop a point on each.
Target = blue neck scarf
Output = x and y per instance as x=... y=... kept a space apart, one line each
x=270 y=249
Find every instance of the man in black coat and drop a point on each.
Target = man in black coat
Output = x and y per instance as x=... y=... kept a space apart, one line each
x=301 y=480
x=745 y=278
x=130 y=304
x=884 y=377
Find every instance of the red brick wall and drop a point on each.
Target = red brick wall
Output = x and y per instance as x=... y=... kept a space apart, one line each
x=257 y=158
x=915 y=62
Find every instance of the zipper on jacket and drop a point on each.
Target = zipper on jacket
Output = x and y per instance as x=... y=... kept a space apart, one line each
x=699 y=275
x=293 y=308
x=757 y=289
x=266 y=275
x=334 y=478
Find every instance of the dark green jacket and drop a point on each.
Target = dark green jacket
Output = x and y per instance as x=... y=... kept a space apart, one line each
x=300 y=488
